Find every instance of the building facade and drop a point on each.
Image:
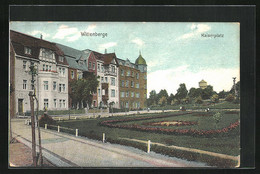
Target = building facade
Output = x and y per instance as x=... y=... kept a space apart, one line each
x=133 y=83
x=203 y=84
x=51 y=73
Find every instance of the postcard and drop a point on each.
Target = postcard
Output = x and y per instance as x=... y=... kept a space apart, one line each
x=124 y=94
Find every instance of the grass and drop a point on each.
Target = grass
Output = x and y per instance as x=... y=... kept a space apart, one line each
x=228 y=144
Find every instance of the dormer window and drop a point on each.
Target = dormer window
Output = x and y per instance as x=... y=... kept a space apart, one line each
x=61 y=59
x=27 y=50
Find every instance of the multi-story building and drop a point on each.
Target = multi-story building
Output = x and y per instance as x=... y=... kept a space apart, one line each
x=51 y=81
x=133 y=83
x=77 y=61
x=106 y=68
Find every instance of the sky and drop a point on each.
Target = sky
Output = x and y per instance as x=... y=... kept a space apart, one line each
x=175 y=52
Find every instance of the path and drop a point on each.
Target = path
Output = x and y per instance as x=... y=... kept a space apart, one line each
x=65 y=150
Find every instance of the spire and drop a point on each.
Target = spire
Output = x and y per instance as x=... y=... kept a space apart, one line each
x=139 y=52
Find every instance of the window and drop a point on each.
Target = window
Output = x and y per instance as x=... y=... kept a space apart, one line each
x=60 y=70
x=49 y=68
x=47 y=54
x=113 y=93
x=128 y=73
x=27 y=50
x=122 y=83
x=126 y=83
x=54 y=86
x=24 y=65
x=137 y=85
x=132 y=84
x=45 y=84
x=102 y=68
x=99 y=92
x=59 y=87
x=63 y=85
x=145 y=77
x=94 y=66
x=133 y=74
x=102 y=79
x=126 y=104
x=122 y=94
x=63 y=72
x=46 y=103
x=60 y=103
x=127 y=94
x=137 y=75
x=72 y=74
x=55 y=103
x=24 y=84
x=98 y=67
x=113 y=81
x=132 y=94
x=122 y=72
x=89 y=65
x=64 y=105
x=137 y=95
x=61 y=59
x=43 y=67
x=106 y=79
x=113 y=69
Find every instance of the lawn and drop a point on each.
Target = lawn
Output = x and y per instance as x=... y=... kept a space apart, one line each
x=227 y=143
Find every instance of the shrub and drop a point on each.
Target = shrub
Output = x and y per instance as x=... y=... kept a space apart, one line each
x=230 y=98
x=46 y=119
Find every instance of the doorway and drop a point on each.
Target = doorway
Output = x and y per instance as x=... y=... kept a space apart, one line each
x=20 y=106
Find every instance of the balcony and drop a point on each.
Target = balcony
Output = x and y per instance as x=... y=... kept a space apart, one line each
x=104 y=85
x=110 y=73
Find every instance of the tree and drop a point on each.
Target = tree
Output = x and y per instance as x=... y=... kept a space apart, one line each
x=199 y=100
x=215 y=98
x=194 y=92
x=181 y=92
x=207 y=92
x=162 y=101
x=230 y=98
x=153 y=99
x=222 y=94
x=217 y=117
x=170 y=99
x=82 y=90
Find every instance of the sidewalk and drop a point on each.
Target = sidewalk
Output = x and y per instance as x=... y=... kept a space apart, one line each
x=65 y=150
x=20 y=155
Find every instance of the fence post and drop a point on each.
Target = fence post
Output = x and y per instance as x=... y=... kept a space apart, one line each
x=148 y=146
x=77 y=131
x=103 y=138
x=58 y=128
x=45 y=126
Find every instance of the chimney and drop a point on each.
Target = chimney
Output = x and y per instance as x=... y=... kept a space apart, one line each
x=41 y=36
x=105 y=51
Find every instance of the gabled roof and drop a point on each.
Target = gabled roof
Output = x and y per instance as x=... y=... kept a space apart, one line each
x=74 y=64
x=123 y=62
x=109 y=57
x=20 y=40
x=71 y=52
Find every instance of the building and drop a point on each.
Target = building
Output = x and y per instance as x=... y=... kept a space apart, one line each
x=51 y=81
x=133 y=83
x=106 y=68
x=203 y=84
x=78 y=66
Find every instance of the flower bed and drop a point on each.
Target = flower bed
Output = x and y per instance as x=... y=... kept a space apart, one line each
x=171 y=123
x=193 y=132
x=204 y=114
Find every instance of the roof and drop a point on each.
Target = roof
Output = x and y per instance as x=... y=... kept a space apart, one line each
x=202 y=81
x=140 y=60
x=72 y=52
x=74 y=64
x=127 y=60
x=20 y=40
x=109 y=57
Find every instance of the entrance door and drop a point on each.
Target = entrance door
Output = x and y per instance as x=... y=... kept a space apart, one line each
x=20 y=106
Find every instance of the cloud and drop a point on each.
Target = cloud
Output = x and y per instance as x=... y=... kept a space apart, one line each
x=37 y=32
x=91 y=28
x=70 y=33
x=196 y=29
x=138 y=41
x=170 y=79
x=107 y=45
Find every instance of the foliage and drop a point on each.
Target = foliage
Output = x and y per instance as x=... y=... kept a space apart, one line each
x=194 y=92
x=82 y=89
x=163 y=93
x=153 y=99
x=230 y=98
x=199 y=100
x=222 y=94
x=163 y=101
x=46 y=119
x=217 y=117
x=215 y=98
x=170 y=99
x=181 y=92
x=207 y=92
